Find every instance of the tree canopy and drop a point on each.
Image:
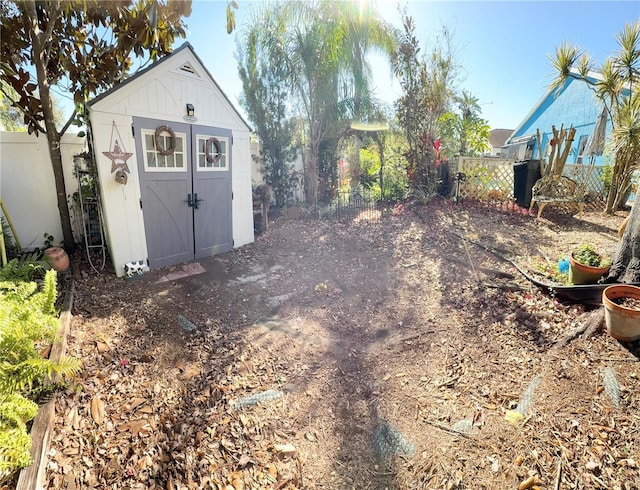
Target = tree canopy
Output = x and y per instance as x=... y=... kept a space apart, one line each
x=83 y=47
x=320 y=51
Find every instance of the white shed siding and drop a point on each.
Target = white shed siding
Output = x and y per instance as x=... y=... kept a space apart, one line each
x=121 y=203
x=241 y=185
x=162 y=93
x=165 y=92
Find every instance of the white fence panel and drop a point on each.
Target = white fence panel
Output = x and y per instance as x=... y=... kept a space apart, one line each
x=27 y=185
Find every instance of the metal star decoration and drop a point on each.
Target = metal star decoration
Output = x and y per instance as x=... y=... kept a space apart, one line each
x=118 y=158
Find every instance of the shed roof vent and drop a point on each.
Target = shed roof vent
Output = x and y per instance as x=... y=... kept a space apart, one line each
x=187 y=68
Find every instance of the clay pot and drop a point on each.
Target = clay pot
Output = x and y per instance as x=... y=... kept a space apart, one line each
x=584 y=274
x=622 y=323
x=57 y=258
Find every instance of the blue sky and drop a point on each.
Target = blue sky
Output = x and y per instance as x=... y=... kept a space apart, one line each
x=502 y=46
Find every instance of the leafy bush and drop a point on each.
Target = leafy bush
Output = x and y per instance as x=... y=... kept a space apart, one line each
x=586 y=254
x=28 y=321
x=27 y=268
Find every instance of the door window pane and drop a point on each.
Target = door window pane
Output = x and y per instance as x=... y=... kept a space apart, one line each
x=216 y=149
x=156 y=162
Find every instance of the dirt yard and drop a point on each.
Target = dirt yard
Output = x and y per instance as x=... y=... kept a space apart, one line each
x=384 y=354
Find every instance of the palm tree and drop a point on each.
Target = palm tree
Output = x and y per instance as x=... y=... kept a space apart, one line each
x=617 y=87
x=323 y=45
x=364 y=32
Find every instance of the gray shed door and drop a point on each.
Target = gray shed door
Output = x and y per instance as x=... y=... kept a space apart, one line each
x=186 y=195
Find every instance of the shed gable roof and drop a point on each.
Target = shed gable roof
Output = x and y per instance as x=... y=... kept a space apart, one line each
x=193 y=68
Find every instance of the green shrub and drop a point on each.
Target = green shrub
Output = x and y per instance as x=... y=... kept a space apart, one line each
x=27 y=268
x=28 y=321
x=586 y=254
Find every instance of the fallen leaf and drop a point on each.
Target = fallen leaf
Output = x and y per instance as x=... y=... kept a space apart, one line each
x=628 y=462
x=102 y=347
x=97 y=410
x=513 y=417
x=136 y=402
x=287 y=449
x=72 y=418
x=528 y=483
x=190 y=373
x=135 y=426
x=592 y=465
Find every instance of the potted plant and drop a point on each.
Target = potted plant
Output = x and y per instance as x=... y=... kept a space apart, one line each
x=622 y=311
x=586 y=265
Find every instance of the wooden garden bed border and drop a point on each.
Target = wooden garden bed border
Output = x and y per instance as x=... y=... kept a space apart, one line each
x=32 y=477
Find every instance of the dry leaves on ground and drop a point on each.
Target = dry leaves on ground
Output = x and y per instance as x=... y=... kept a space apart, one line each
x=364 y=355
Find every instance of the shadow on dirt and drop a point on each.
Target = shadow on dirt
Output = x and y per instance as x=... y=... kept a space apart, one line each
x=184 y=345
x=373 y=338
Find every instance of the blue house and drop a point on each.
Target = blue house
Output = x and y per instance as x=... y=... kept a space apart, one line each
x=575 y=104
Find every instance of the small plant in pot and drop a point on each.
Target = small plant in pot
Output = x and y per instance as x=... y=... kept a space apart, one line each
x=587 y=265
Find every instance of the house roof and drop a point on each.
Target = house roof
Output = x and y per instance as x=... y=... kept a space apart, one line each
x=186 y=45
x=575 y=75
x=498 y=137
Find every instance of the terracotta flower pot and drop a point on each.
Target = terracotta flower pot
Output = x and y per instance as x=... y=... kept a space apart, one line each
x=623 y=323
x=57 y=258
x=584 y=274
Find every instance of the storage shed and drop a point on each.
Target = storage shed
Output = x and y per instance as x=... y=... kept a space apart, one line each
x=174 y=165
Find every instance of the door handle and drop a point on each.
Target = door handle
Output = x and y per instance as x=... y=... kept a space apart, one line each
x=189 y=201
x=196 y=201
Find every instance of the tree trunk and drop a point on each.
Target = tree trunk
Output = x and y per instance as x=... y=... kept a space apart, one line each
x=355 y=162
x=311 y=179
x=53 y=137
x=626 y=262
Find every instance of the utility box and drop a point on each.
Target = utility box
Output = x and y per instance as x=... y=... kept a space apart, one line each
x=525 y=175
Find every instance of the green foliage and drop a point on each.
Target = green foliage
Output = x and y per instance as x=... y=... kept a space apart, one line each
x=10 y=118
x=618 y=88
x=28 y=322
x=394 y=177
x=26 y=268
x=7 y=234
x=370 y=168
x=266 y=93
x=427 y=85
x=464 y=132
x=312 y=55
x=586 y=254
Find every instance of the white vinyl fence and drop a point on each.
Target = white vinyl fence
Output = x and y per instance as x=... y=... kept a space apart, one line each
x=27 y=186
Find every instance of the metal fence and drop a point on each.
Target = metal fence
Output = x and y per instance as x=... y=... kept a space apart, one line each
x=359 y=205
